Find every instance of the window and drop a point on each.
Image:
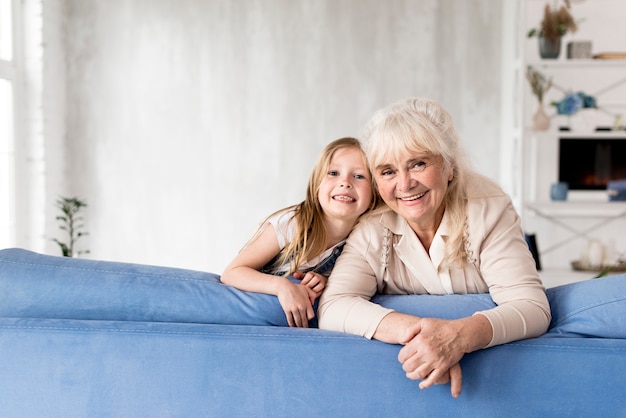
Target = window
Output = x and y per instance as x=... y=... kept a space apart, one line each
x=7 y=106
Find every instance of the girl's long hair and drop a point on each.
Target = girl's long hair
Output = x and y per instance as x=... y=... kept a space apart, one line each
x=309 y=240
x=418 y=125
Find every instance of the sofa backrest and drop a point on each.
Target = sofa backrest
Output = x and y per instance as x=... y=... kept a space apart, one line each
x=34 y=285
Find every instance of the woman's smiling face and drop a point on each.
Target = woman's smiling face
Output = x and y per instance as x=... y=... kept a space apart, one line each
x=414 y=186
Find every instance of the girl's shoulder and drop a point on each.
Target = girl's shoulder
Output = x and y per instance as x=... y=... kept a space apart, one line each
x=281 y=218
x=284 y=226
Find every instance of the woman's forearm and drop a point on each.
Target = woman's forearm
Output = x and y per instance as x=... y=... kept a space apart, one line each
x=393 y=327
x=470 y=333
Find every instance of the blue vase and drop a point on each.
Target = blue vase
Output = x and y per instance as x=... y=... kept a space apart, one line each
x=549 y=49
x=558 y=191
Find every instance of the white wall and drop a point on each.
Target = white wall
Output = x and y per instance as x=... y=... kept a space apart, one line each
x=188 y=121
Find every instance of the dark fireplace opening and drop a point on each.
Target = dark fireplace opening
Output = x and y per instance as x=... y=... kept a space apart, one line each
x=590 y=163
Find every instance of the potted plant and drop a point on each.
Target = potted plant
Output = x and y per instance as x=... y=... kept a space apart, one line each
x=555 y=24
x=70 y=222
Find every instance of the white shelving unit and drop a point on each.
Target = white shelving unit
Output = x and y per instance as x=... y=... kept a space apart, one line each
x=563 y=229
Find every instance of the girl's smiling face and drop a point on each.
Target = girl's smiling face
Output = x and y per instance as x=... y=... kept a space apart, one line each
x=414 y=186
x=345 y=192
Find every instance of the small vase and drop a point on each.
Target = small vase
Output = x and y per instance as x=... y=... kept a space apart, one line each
x=549 y=49
x=541 y=121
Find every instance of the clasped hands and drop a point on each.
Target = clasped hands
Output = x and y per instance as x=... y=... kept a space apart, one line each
x=432 y=351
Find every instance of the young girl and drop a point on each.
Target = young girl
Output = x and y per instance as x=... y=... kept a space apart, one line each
x=304 y=240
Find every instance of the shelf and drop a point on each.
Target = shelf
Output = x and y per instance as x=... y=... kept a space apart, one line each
x=556 y=133
x=578 y=63
x=595 y=135
x=579 y=209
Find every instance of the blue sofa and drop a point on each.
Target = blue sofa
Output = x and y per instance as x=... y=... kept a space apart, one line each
x=85 y=338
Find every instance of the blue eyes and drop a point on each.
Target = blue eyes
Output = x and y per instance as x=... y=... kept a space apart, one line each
x=334 y=173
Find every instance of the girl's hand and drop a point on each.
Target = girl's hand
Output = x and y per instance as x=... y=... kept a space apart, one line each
x=295 y=300
x=314 y=281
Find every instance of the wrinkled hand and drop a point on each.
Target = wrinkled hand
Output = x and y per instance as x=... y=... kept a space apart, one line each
x=432 y=351
x=296 y=301
x=314 y=281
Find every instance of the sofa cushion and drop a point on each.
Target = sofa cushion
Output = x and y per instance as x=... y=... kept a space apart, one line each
x=592 y=308
x=33 y=285
x=68 y=368
x=437 y=306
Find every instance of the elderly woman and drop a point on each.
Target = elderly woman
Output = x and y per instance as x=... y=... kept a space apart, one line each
x=444 y=229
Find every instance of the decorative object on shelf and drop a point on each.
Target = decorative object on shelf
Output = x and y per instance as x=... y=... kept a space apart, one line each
x=70 y=222
x=619 y=267
x=558 y=191
x=610 y=56
x=549 y=49
x=597 y=258
x=581 y=110
x=573 y=102
x=595 y=254
x=579 y=50
x=556 y=23
x=618 y=124
x=541 y=120
x=616 y=190
x=539 y=85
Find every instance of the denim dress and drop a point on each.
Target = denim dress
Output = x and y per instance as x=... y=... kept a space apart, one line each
x=324 y=267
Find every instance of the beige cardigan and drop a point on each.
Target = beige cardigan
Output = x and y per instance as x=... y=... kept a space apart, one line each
x=383 y=255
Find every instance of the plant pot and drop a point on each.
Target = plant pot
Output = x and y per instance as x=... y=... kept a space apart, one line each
x=549 y=49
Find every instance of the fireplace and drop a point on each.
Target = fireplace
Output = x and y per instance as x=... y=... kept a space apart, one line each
x=589 y=163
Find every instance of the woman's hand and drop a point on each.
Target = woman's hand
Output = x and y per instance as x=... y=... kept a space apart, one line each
x=296 y=301
x=433 y=348
x=314 y=281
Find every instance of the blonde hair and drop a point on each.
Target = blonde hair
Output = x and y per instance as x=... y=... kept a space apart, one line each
x=418 y=125
x=309 y=240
